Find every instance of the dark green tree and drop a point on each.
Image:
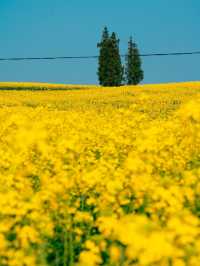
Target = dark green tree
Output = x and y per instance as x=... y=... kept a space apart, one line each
x=133 y=69
x=103 y=57
x=110 y=70
x=116 y=64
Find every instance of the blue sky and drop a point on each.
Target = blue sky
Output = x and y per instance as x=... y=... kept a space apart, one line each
x=31 y=28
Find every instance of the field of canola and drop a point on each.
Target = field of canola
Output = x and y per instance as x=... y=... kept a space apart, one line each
x=100 y=176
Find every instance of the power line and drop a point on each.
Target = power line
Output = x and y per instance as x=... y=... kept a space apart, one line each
x=173 y=54
x=94 y=56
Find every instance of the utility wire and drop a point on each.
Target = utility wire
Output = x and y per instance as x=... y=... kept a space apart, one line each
x=94 y=56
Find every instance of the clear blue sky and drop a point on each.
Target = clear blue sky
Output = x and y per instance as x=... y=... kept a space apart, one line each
x=31 y=28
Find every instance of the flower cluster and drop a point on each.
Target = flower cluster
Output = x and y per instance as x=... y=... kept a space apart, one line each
x=100 y=177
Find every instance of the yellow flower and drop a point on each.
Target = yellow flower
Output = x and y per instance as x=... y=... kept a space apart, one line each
x=115 y=253
x=88 y=258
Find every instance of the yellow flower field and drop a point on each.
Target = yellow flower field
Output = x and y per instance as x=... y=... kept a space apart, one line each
x=96 y=176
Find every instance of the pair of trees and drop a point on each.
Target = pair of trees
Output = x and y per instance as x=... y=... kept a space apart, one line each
x=111 y=72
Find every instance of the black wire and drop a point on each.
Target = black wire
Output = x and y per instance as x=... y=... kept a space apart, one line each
x=169 y=54
x=93 y=56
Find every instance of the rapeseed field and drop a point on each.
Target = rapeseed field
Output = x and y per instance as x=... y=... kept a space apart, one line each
x=96 y=176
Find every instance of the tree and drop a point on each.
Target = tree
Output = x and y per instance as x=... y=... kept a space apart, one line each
x=133 y=69
x=110 y=70
x=117 y=68
x=103 y=57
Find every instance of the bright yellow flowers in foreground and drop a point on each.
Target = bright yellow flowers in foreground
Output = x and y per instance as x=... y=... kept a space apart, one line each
x=100 y=176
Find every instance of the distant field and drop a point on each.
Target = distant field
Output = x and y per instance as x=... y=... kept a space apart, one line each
x=155 y=99
x=93 y=176
x=52 y=86
x=40 y=86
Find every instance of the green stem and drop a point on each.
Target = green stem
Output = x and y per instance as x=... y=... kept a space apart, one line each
x=65 y=257
x=71 y=249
